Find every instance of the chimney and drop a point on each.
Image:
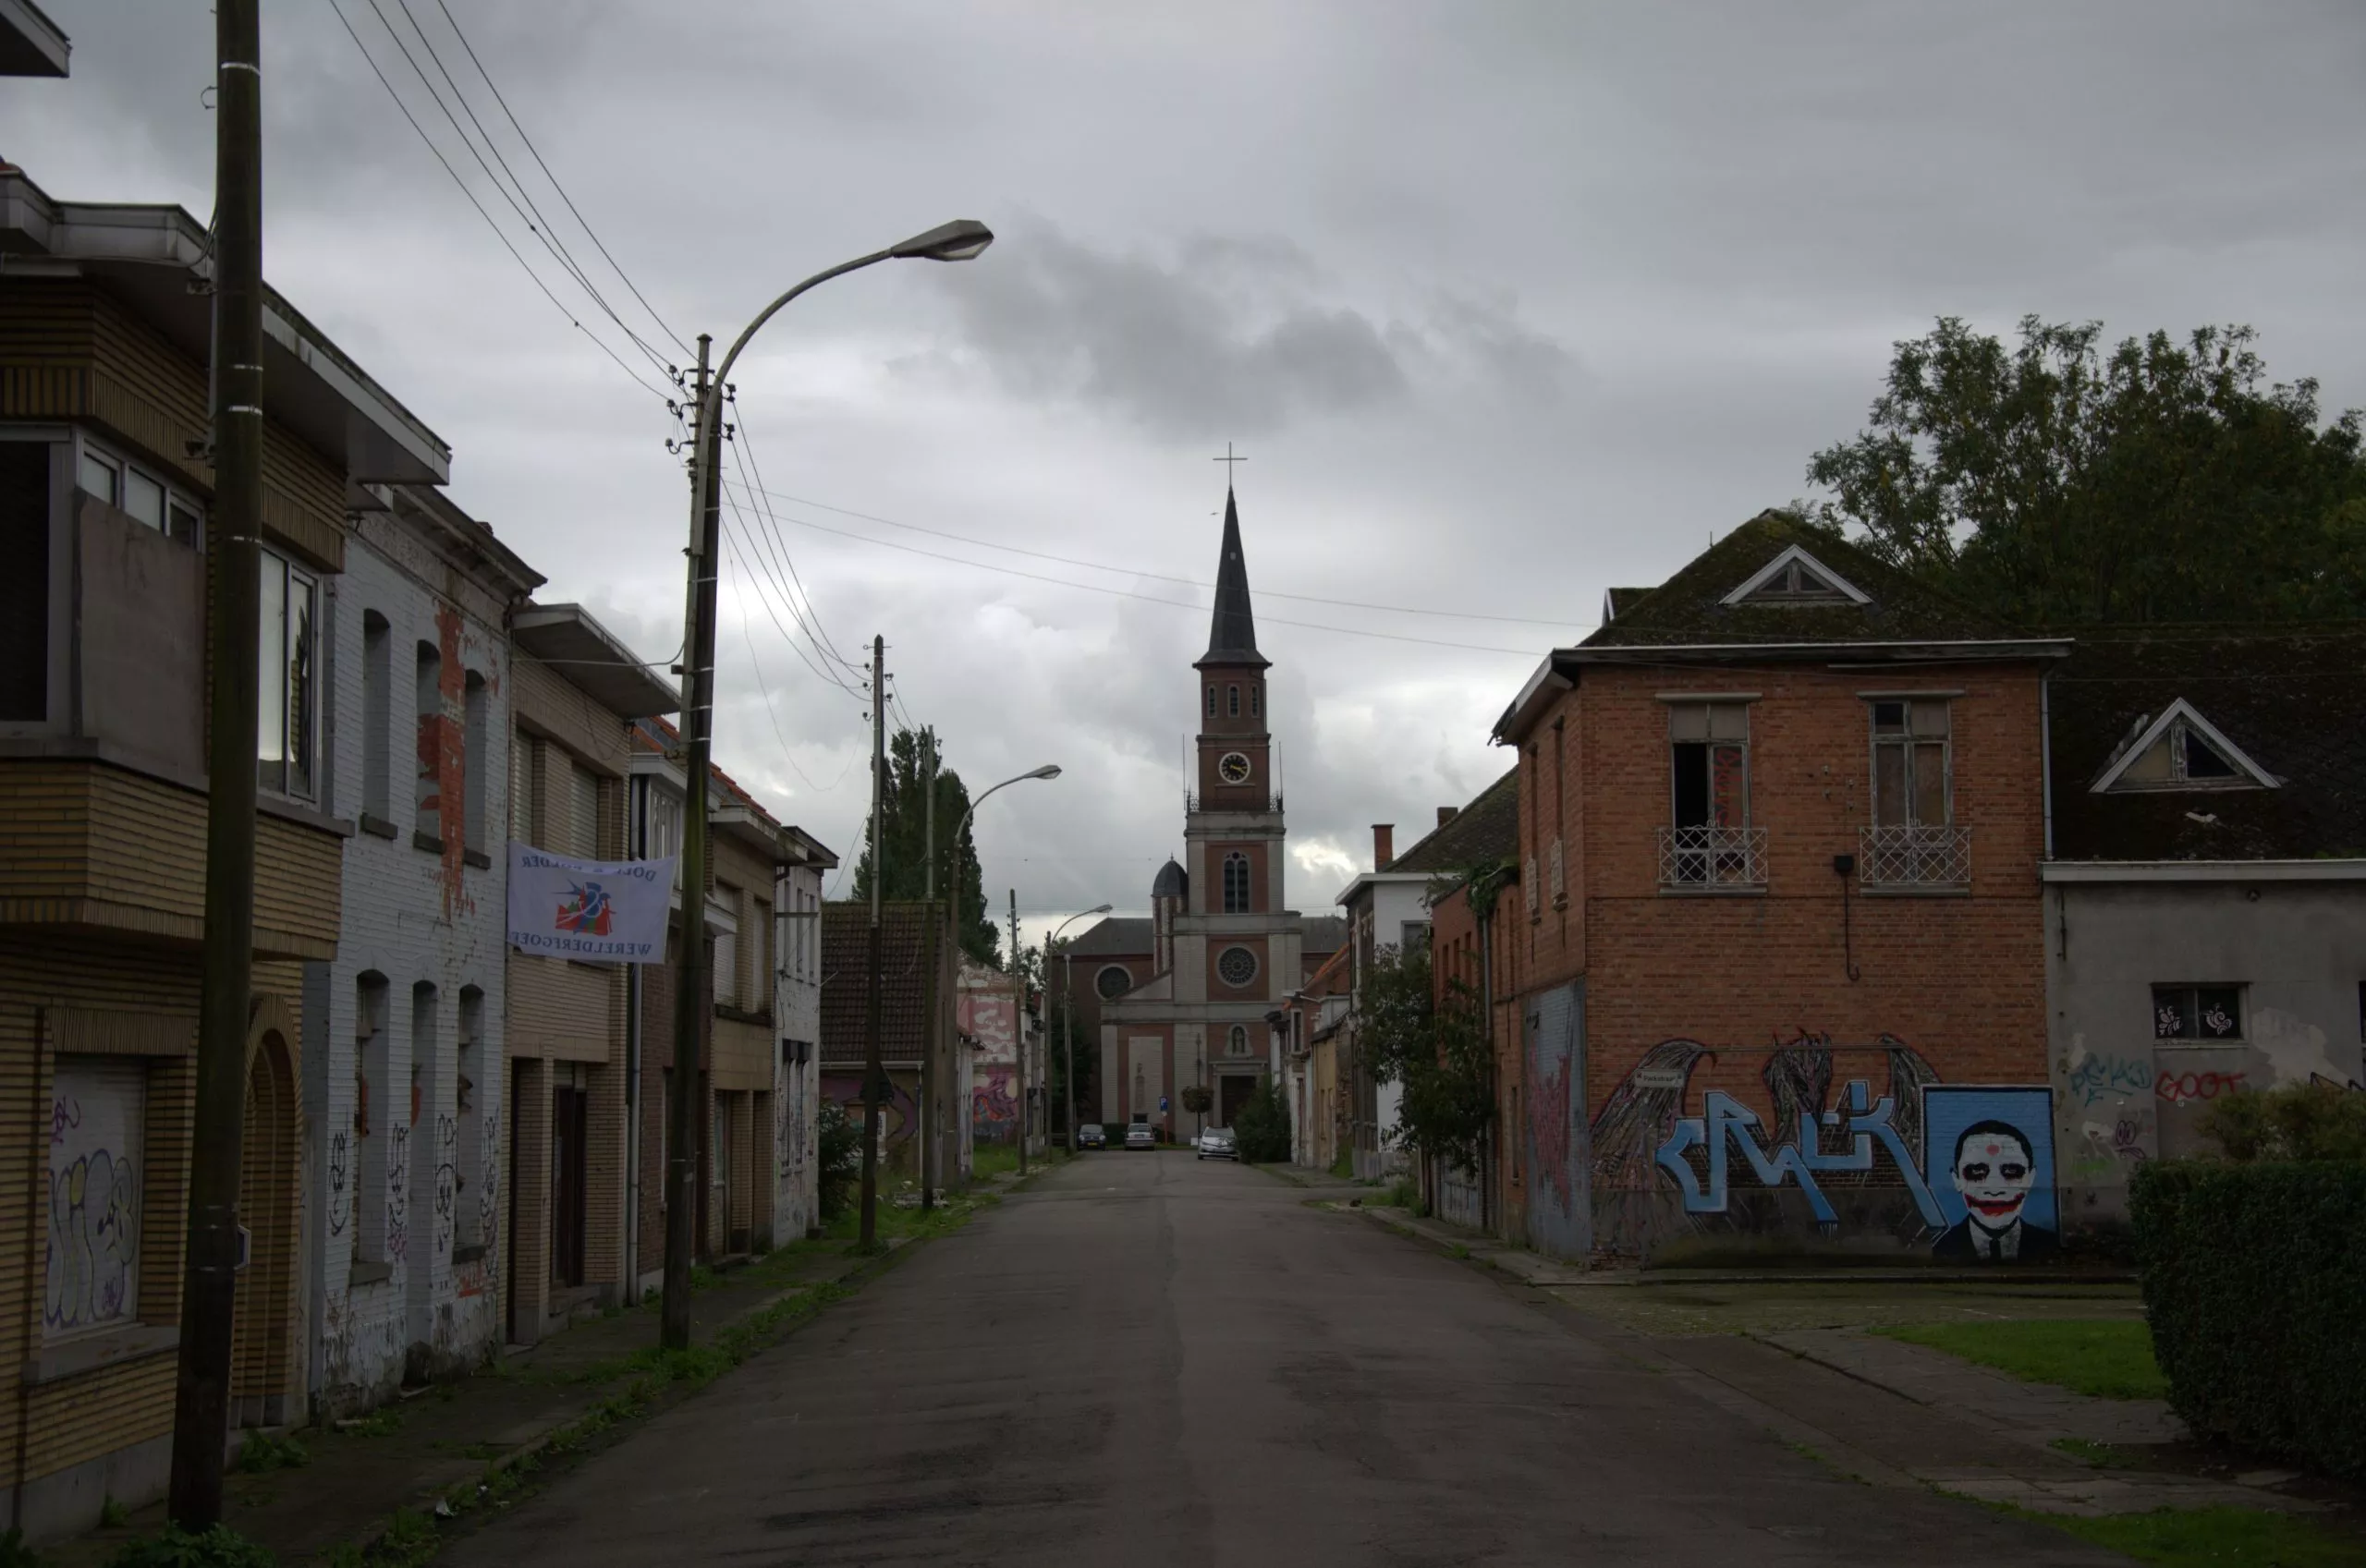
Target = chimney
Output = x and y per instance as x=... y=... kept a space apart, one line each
x=1383 y=845
x=1446 y=814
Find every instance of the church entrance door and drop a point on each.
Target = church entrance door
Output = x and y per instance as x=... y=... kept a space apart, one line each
x=1232 y=1092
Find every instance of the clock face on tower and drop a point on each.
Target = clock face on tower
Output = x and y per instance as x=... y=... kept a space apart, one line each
x=1233 y=768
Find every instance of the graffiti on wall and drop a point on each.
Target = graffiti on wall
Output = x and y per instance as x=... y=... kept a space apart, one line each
x=1973 y=1162
x=340 y=1175
x=2185 y=1088
x=447 y=1183
x=399 y=1192
x=93 y=1199
x=2094 y=1077
x=994 y=1104
x=489 y=1193
x=898 y=1114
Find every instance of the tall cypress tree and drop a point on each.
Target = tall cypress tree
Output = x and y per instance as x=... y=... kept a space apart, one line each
x=904 y=815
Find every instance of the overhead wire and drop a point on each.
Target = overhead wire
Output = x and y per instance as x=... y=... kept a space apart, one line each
x=499 y=233
x=809 y=619
x=1153 y=599
x=1163 y=577
x=731 y=543
x=529 y=214
x=662 y=325
x=754 y=479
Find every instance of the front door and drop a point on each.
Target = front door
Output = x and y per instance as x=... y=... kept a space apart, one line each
x=570 y=1122
x=1232 y=1093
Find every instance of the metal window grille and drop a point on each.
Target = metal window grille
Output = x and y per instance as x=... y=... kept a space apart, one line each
x=1713 y=857
x=1909 y=855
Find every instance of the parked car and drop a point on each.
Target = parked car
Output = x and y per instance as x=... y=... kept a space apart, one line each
x=1142 y=1136
x=1089 y=1136
x=1217 y=1143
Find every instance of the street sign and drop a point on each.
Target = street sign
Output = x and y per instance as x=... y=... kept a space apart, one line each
x=1161 y=1103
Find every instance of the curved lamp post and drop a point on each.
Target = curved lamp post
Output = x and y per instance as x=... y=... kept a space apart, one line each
x=1067 y=993
x=928 y=1098
x=956 y=241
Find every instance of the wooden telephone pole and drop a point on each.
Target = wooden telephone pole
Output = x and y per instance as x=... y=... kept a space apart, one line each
x=209 y=1288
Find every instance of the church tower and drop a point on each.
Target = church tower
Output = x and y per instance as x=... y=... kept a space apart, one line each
x=1226 y=951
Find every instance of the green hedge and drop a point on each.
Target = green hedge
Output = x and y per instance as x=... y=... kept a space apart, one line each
x=2255 y=1288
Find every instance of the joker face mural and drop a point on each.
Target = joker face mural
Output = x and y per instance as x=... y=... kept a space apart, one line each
x=1994 y=1172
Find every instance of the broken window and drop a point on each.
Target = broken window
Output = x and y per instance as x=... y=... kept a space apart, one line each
x=1710 y=762
x=2198 y=1013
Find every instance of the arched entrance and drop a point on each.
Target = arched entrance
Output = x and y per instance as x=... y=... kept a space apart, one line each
x=262 y=1365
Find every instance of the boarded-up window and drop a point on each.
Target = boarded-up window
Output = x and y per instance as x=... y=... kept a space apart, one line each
x=97 y=1160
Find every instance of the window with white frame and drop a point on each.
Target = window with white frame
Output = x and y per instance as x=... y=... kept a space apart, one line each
x=1709 y=764
x=98 y=1111
x=140 y=491
x=288 y=678
x=1911 y=763
x=1236 y=883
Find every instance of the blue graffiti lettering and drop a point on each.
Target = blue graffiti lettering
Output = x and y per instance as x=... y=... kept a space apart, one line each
x=1725 y=1122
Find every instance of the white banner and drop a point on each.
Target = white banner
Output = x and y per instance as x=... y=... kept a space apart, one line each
x=591 y=911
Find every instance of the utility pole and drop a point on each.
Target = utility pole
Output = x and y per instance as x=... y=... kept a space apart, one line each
x=872 y=1072
x=1019 y=1013
x=929 y=1118
x=692 y=997
x=209 y=1289
x=1068 y=1027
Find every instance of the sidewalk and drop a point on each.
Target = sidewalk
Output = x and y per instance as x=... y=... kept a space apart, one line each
x=441 y=1449
x=1787 y=1353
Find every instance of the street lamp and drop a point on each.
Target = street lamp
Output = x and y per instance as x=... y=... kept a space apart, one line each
x=1067 y=1017
x=929 y=1130
x=956 y=241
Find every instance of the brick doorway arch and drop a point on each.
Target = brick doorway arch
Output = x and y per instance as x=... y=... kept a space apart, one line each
x=264 y=1389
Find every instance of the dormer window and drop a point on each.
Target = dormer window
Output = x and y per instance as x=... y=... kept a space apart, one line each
x=1796 y=577
x=2180 y=750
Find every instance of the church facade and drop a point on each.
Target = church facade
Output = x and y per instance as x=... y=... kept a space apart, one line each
x=1225 y=952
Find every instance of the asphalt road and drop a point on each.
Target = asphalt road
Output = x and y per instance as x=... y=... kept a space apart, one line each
x=1148 y=1360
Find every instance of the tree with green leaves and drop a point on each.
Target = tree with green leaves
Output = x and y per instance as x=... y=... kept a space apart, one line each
x=904 y=812
x=2056 y=483
x=1433 y=1041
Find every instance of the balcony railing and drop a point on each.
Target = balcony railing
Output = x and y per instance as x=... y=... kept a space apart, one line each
x=1730 y=859
x=1916 y=858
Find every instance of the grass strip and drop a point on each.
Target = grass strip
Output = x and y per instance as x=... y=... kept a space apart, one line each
x=2111 y=1358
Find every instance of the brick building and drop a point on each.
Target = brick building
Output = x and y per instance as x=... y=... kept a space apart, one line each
x=403 y=1092
x=104 y=494
x=914 y=1017
x=1778 y=942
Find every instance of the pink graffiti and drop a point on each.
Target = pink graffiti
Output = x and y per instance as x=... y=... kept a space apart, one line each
x=63 y=1114
x=2178 y=1090
x=1548 y=1130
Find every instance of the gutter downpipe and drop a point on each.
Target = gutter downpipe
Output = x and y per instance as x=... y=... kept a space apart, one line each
x=637 y=837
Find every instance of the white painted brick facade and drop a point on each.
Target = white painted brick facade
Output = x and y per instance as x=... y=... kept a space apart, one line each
x=415 y=1190
x=796 y=1085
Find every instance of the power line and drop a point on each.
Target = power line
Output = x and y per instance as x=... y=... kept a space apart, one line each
x=827 y=677
x=1165 y=577
x=498 y=232
x=563 y=196
x=1152 y=599
x=810 y=619
x=754 y=479
x=529 y=214
x=761 y=685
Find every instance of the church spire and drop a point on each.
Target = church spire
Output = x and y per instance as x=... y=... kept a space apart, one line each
x=1232 y=633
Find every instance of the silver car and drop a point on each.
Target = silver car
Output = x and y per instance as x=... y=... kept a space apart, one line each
x=1217 y=1143
x=1140 y=1135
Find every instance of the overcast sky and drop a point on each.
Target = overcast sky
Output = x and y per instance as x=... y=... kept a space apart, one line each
x=1504 y=303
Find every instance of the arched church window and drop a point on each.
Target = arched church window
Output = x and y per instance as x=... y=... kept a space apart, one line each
x=1256 y=696
x=1238 y=1043
x=1232 y=701
x=1236 y=883
x=1212 y=699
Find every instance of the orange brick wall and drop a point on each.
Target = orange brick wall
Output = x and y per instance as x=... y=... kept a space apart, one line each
x=1958 y=978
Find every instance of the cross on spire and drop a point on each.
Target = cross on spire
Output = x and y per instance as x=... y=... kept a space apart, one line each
x=1227 y=459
